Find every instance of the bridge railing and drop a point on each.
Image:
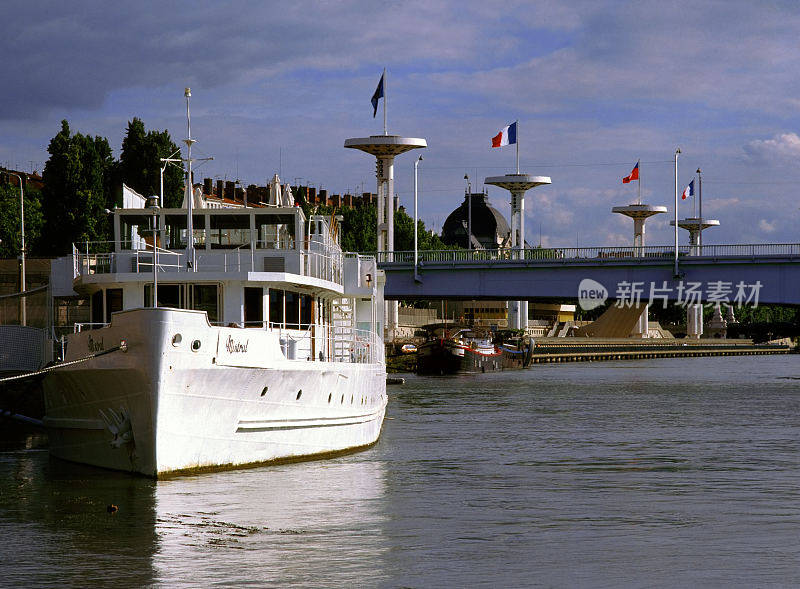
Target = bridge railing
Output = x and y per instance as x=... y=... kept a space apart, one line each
x=561 y=254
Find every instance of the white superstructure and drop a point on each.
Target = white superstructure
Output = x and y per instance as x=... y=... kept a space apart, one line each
x=264 y=344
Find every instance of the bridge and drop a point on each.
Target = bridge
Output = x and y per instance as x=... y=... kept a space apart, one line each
x=761 y=273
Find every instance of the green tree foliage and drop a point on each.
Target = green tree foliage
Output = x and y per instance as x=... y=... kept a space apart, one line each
x=78 y=180
x=10 y=228
x=404 y=234
x=359 y=227
x=140 y=164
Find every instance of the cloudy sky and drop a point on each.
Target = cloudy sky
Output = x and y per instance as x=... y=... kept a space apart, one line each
x=596 y=85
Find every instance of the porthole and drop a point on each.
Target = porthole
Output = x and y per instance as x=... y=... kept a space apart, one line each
x=329 y=397
x=264 y=391
x=299 y=394
x=176 y=339
x=195 y=345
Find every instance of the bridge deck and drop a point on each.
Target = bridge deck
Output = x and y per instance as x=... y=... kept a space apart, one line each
x=770 y=273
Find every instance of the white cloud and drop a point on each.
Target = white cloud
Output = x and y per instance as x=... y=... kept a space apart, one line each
x=785 y=146
x=766 y=226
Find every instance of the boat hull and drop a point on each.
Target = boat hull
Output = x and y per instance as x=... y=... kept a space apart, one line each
x=445 y=357
x=163 y=406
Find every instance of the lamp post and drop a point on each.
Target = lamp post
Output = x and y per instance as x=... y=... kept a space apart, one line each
x=22 y=306
x=675 y=270
x=416 y=254
x=152 y=204
x=469 y=212
x=700 y=201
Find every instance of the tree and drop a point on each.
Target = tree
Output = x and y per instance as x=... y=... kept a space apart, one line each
x=404 y=234
x=77 y=188
x=10 y=227
x=359 y=228
x=140 y=163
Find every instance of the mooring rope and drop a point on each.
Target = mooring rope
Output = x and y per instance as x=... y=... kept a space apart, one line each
x=122 y=346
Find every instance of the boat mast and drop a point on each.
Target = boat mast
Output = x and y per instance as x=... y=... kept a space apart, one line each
x=189 y=188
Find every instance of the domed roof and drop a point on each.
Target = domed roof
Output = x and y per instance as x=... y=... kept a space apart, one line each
x=489 y=226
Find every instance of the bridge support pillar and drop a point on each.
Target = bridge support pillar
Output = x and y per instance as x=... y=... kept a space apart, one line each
x=642 y=327
x=518 y=184
x=518 y=314
x=694 y=321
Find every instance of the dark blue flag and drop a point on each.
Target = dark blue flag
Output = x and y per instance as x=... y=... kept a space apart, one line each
x=378 y=94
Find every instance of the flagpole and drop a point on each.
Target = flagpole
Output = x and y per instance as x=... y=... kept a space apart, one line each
x=700 y=211
x=639 y=180
x=384 y=101
x=517 y=138
x=677 y=152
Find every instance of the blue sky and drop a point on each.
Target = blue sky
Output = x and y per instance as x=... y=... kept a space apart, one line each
x=596 y=86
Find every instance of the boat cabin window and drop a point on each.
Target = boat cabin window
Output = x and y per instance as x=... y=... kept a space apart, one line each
x=229 y=231
x=133 y=229
x=275 y=307
x=205 y=297
x=175 y=230
x=306 y=307
x=292 y=306
x=200 y=297
x=275 y=231
x=113 y=302
x=253 y=306
x=104 y=302
x=290 y=310
x=169 y=295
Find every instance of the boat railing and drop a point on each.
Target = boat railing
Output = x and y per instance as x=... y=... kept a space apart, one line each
x=319 y=264
x=331 y=343
x=283 y=242
x=240 y=259
x=318 y=261
x=79 y=327
x=165 y=260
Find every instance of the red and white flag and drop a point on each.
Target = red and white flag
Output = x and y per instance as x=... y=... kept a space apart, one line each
x=634 y=175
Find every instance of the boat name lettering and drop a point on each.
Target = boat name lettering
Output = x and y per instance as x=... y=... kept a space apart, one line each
x=235 y=347
x=95 y=345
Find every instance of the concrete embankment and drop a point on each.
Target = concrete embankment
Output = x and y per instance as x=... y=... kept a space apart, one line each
x=551 y=350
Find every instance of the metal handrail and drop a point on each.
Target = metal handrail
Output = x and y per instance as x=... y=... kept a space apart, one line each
x=559 y=254
x=78 y=327
x=345 y=344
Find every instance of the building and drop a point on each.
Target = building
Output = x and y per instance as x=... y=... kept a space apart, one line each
x=490 y=229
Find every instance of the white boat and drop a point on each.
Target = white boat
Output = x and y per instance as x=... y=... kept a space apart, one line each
x=263 y=346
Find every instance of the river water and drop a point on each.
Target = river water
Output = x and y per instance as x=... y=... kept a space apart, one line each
x=667 y=472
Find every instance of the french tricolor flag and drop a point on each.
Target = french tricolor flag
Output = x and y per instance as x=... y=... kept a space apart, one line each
x=506 y=136
x=689 y=191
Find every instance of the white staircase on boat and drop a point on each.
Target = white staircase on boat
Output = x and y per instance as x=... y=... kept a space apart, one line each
x=343 y=323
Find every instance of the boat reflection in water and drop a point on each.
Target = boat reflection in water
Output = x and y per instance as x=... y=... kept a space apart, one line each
x=319 y=523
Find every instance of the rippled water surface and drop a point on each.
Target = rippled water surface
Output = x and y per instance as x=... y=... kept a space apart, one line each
x=669 y=472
